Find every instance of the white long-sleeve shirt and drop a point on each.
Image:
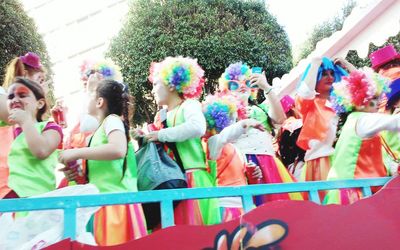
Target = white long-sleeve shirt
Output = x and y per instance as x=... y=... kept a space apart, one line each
x=227 y=135
x=370 y=124
x=193 y=127
x=215 y=146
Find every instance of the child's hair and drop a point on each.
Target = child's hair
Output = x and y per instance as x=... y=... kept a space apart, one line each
x=118 y=100
x=38 y=92
x=17 y=68
x=342 y=120
x=326 y=64
x=107 y=68
x=238 y=72
x=182 y=73
x=388 y=65
x=221 y=111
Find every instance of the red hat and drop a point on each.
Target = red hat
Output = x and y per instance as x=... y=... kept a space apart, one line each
x=383 y=56
x=31 y=59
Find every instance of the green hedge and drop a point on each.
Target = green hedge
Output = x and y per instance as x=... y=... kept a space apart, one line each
x=18 y=35
x=216 y=32
x=359 y=62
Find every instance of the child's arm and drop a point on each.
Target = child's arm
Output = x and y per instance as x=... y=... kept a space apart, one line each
x=115 y=148
x=42 y=144
x=310 y=81
x=371 y=124
x=346 y=65
x=193 y=127
x=230 y=134
x=275 y=111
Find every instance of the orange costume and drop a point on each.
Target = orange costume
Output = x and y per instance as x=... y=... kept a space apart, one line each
x=6 y=135
x=316 y=136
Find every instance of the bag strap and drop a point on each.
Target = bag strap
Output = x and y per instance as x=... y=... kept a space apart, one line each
x=87 y=162
x=125 y=163
x=173 y=148
x=388 y=150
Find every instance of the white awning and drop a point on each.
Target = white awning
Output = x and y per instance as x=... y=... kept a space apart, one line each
x=373 y=22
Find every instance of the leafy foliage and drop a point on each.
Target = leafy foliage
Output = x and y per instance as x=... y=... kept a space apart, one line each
x=216 y=32
x=18 y=35
x=353 y=57
x=325 y=29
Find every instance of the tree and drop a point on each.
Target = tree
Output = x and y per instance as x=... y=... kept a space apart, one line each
x=328 y=27
x=18 y=35
x=359 y=62
x=216 y=32
x=325 y=29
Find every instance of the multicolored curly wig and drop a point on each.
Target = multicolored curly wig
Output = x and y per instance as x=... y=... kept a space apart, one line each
x=107 y=68
x=357 y=90
x=182 y=73
x=238 y=72
x=222 y=110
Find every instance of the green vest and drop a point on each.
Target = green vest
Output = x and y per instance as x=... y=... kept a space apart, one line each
x=347 y=150
x=190 y=151
x=260 y=113
x=108 y=176
x=348 y=155
x=393 y=140
x=29 y=175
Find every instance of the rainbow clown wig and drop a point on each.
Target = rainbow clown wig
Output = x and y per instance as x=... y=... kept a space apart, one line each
x=222 y=110
x=357 y=90
x=107 y=68
x=236 y=72
x=182 y=73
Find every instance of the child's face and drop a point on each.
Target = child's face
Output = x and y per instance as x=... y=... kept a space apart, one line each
x=240 y=89
x=161 y=93
x=324 y=85
x=40 y=78
x=21 y=97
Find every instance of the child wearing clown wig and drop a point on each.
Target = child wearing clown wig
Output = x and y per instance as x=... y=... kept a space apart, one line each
x=226 y=163
x=358 y=152
x=257 y=145
x=177 y=83
x=84 y=124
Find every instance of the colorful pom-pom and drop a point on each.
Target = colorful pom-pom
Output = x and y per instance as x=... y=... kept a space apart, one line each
x=222 y=110
x=183 y=73
x=357 y=90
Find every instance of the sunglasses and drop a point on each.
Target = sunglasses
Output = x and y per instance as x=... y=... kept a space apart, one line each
x=234 y=85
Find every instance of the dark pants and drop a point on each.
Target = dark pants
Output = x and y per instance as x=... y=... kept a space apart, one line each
x=152 y=211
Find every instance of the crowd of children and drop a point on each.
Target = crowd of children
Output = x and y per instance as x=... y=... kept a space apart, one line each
x=331 y=129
